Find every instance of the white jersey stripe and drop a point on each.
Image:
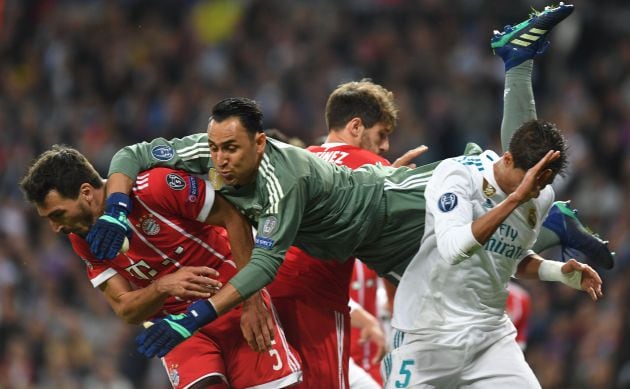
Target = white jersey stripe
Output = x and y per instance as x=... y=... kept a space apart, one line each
x=407 y=184
x=195 y=152
x=198 y=145
x=273 y=185
x=339 y=319
x=195 y=156
x=209 y=202
x=186 y=234
x=293 y=362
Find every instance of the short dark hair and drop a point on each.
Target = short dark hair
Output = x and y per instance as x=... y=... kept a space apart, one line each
x=533 y=140
x=61 y=168
x=246 y=110
x=370 y=102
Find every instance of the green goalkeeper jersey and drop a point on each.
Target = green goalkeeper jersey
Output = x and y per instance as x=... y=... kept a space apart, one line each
x=375 y=212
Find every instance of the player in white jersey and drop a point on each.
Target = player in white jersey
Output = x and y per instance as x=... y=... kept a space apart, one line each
x=483 y=215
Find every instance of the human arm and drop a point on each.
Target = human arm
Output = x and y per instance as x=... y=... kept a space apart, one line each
x=189 y=153
x=449 y=200
x=371 y=330
x=256 y=321
x=276 y=231
x=572 y=273
x=136 y=305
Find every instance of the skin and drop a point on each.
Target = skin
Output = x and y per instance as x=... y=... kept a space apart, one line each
x=192 y=282
x=521 y=186
x=235 y=153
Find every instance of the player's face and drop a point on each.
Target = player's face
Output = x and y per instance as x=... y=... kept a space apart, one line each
x=375 y=138
x=66 y=215
x=235 y=153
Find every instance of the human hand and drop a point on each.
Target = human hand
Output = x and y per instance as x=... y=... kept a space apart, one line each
x=591 y=283
x=374 y=333
x=257 y=324
x=108 y=233
x=536 y=178
x=405 y=159
x=161 y=336
x=190 y=283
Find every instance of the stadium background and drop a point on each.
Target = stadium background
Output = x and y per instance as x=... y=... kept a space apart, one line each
x=101 y=74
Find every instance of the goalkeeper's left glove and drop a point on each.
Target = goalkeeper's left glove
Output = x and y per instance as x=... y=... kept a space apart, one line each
x=108 y=233
x=164 y=334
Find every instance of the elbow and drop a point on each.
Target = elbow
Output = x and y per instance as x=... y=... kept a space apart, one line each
x=452 y=254
x=129 y=316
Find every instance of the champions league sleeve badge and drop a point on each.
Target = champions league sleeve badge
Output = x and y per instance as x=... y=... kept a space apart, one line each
x=447 y=202
x=163 y=153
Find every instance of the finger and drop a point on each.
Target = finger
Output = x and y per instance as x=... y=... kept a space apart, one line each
x=406 y=158
x=264 y=338
x=206 y=271
x=206 y=282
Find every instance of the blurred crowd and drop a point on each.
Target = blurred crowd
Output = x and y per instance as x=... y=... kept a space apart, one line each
x=98 y=75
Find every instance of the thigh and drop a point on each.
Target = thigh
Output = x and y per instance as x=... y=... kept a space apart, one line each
x=502 y=365
x=322 y=337
x=276 y=368
x=195 y=360
x=416 y=363
x=359 y=378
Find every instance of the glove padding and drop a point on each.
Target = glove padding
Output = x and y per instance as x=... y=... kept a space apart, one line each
x=108 y=233
x=164 y=334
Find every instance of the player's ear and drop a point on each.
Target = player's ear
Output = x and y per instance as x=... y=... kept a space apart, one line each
x=354 y=126
x=86 y=191
x=260 y=139
x=508 y=159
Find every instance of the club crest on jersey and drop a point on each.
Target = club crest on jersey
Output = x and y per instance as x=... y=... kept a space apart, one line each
x=532 y=218
x=149 y=225
x=175 y=181
x=270 y=225
x=488 y=189
x=447 y=202
x=162 y=152
x=173 y=375
x=215 y=179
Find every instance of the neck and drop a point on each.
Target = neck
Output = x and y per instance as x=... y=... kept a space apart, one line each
x=340 y=137
x=499 y=176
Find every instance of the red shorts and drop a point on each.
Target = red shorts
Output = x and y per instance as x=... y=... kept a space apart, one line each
x=322 y=337
x=219 y=350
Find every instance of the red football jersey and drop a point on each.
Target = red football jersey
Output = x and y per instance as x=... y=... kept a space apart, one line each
x=518 y=307
x=167 y=219
x=297 y=291
x=169 y=210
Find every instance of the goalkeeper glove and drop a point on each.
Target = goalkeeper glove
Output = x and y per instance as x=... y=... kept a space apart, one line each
x=164 y=334
x=108 y=233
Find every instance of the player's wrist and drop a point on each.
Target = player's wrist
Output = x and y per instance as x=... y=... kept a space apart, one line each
x=202 y=312
x=552 y=271
x=116 y=203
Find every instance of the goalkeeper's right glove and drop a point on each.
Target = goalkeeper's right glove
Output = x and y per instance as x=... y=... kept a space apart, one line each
x=108 y=233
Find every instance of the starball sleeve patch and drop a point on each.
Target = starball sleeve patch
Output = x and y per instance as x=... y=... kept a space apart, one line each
x=447 y=202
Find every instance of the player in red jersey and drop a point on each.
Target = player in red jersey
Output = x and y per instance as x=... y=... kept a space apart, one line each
x=173 y=256
x=360 y=116
x=518 y=307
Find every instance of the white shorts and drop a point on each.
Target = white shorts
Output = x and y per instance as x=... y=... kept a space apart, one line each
x=359 y=378
x=421 y=364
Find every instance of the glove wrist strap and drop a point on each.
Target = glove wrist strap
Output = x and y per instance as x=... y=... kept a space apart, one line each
x=202 y=312
x=119 y=200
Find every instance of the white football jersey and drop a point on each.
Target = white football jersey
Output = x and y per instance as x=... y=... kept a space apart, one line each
x=455 y=285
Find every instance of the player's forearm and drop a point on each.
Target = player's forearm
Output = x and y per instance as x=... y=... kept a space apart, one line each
x=360 y=318
x=528 y=267
x=119 y=182
x=136 y=306
x=486 y=225
x=227 y=298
